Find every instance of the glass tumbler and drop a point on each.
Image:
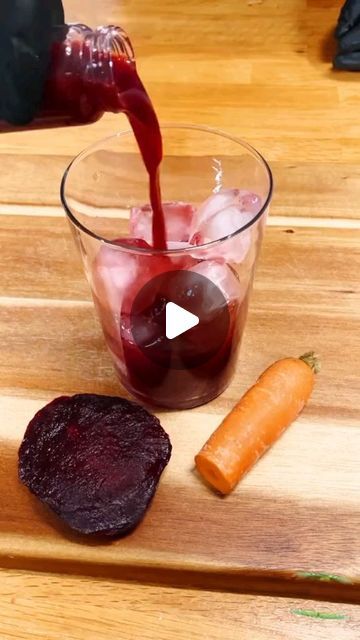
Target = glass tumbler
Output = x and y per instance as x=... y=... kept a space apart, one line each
x=216 y=192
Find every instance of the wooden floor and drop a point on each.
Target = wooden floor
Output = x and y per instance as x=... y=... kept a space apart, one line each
x=260 y=69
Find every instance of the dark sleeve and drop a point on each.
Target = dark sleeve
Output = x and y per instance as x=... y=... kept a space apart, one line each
x=348 y=61
x=27 y=29
x=348 y=18
x=350 y=41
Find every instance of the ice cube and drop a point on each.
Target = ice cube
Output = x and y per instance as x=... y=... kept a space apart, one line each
x=183 y=259
x=178 y=216
x=221 y=215
x=224 y=277
x=118 y=275
x=113 y=272
x=178 y=246
x=249 y=201
x=215 y=203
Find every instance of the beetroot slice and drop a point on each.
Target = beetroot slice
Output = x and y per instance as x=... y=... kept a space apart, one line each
x=94 y=460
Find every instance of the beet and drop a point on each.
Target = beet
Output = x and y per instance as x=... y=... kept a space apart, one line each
x=94 y=460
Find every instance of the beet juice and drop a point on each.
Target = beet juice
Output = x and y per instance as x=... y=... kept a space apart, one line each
x=167 y=255
x=133 y=284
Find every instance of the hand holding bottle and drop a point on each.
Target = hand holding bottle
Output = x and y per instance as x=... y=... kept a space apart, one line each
x=28 y=29
x=54 y=74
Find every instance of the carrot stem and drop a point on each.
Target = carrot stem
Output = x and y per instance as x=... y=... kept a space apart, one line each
x=311 y=359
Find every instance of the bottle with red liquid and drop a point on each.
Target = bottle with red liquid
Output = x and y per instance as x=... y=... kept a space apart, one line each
x=88 y=72
x=79 y=81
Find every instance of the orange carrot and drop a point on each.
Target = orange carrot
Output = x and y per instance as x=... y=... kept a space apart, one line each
x=257 y=421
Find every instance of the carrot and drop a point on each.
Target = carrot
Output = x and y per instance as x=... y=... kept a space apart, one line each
x=257 y=421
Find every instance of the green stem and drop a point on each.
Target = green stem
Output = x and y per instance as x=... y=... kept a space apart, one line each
x=323 y=576
x=310 y=613
x=312 y=360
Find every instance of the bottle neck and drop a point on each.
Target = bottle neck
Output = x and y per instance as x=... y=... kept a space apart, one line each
x=84 y=70
x=91 y=52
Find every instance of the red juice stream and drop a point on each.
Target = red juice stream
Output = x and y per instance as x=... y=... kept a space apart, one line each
x=85 y=81
x=136 y=103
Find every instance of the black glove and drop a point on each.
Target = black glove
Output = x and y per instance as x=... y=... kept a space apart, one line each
x=348 y=35
x=27 y=31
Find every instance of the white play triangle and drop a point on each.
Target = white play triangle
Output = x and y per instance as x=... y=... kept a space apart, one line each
x=178 y=320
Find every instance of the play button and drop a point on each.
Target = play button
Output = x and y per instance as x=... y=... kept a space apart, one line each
x=178 y=320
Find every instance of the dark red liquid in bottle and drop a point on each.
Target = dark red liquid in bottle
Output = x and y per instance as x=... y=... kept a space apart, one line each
x=93 y=72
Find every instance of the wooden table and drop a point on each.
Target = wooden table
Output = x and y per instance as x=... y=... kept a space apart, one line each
x=261 y=70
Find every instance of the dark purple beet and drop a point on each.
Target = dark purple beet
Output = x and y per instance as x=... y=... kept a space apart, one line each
x=94 y=460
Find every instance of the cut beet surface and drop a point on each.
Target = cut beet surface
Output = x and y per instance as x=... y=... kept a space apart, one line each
x=94 y=460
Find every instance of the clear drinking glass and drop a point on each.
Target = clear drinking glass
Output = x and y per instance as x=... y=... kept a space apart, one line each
x=105 y=195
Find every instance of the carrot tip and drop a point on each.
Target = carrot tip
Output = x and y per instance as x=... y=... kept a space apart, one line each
x=312 y=360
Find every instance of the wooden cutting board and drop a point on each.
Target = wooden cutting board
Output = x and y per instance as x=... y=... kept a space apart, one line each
x=297 y=513
x=293 y=518
x=100 y=609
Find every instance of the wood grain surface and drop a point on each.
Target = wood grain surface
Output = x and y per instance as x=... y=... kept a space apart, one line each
x=259 y=69
x=37 y=605
x=297 y=510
